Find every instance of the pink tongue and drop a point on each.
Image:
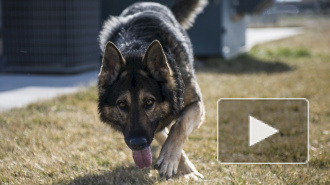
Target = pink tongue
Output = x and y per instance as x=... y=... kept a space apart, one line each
x=142 y=158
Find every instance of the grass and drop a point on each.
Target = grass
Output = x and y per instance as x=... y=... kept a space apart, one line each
x=62 y=141
x=288 y=52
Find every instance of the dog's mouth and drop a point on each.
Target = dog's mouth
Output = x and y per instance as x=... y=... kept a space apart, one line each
x=142 y=158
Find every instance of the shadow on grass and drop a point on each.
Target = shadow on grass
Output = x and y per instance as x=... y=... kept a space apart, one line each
x=242 y=64
x=120 y=175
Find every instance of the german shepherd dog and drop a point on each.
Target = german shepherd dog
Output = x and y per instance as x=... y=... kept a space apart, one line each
x=147 y=86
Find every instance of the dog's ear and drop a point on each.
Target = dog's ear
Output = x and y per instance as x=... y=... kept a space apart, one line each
x=112 y=63
x=155 y=62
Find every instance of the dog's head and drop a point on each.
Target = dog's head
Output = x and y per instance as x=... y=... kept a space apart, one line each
x=136 y=92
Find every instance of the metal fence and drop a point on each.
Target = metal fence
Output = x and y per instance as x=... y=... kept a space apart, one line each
x=50 y=36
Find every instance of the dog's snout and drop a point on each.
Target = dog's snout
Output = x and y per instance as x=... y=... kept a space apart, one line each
x=138 y=143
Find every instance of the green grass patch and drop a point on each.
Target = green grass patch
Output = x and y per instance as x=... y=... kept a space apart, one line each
x=288 y=52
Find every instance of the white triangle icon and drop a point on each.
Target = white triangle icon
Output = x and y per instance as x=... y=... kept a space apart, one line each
x=259 y=130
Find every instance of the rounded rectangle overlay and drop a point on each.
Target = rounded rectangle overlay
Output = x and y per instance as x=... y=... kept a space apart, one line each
x=263 y=130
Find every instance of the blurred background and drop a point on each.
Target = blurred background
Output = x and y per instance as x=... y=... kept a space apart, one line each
x=61 y=36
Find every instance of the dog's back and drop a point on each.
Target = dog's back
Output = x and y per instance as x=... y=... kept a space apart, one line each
x=181 y=16
x=140 y=24
x=144 y=22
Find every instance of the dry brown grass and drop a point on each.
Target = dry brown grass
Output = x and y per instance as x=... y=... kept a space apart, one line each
x=62 y=141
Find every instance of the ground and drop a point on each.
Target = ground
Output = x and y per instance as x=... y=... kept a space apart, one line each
x=62 y=141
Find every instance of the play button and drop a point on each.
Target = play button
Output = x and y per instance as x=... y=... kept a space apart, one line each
x=259 y=130
x=262 y=131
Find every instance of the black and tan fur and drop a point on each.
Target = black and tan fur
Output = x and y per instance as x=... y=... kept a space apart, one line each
x=147 y=82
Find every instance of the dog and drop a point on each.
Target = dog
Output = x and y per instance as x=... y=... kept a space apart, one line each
x=147 y=86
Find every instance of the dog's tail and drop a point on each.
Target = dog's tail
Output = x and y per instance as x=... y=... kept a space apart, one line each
x=185 y=11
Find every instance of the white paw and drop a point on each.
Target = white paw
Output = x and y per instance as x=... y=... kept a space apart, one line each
x=168 y=160
x=187 y=169
x=194 y=175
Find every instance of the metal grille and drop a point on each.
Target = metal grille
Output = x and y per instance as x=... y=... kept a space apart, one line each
x=50 y=36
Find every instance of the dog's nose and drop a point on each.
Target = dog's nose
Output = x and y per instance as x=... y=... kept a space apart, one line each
x=138 y=143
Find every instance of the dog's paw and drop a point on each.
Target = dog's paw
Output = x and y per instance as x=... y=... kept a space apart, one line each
x=168 y=161
x=194 y=175
x=187 y=169
x=190 y=172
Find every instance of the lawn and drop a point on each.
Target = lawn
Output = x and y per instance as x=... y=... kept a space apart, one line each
x=62 y=141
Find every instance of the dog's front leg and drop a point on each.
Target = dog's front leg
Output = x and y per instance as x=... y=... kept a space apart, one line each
x=185 y=166
x=170 y=155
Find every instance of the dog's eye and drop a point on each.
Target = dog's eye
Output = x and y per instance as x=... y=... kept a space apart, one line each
x=149 y=102
x=121 y=105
